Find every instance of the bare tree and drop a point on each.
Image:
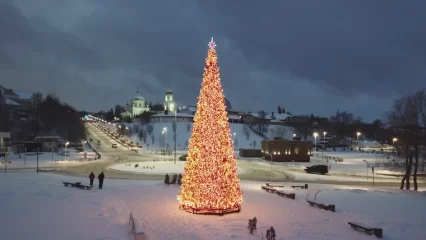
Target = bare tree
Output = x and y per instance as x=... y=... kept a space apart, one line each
x=408 y=120
x=142 y=134
x=279 y=132
x=5 y=122
x=149 y=128
x=246 y=131
x=153 y=139
x=174 y=132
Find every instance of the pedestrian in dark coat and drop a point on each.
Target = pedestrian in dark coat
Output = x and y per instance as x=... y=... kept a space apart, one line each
x=101 y=179
x=91 y=177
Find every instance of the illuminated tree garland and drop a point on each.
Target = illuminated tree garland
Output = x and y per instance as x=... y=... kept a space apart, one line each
x=210 y=179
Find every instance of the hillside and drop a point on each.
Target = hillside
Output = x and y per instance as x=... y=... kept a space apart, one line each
x=159 y=140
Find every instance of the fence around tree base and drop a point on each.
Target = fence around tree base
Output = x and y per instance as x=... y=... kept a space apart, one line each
x=136 y=234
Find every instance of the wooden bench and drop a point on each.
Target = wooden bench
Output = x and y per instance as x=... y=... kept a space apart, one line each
x=284 y=194
x=378 y=232
x=273 y=185
x=77 y=185
x=331 y=207
x=268 y=189
x=136 y=232
x=300 y=186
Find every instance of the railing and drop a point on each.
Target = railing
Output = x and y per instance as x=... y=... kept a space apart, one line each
x=326 y=157
x=133 y=226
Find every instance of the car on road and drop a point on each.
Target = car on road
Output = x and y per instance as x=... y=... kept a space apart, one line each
x=114 y=145
x=323 y=169
x=183 y=157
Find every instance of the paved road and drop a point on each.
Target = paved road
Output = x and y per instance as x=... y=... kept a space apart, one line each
x=122 y=154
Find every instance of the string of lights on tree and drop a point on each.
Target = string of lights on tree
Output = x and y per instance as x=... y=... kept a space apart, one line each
x=210 y=181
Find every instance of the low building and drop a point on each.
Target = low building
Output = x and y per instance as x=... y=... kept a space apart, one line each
x=281 y=150
x=171 y=117
x=48 y=143
x=3 y=142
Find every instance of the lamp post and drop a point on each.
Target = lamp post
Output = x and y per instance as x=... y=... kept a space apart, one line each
x=393 y=142
x=175 y=133
x=65 y=152
x=315 y=137
x=357 y=138
x=323 y=147
x=233 y=141
x=164 y=133
x=367 y=168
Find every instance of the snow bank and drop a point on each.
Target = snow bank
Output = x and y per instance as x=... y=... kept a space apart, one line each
x=157 y=167
x=40 y=207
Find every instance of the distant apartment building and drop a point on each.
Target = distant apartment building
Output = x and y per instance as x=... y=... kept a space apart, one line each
x=19 y=102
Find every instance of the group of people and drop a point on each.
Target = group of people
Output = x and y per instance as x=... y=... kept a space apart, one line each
x=101 y=177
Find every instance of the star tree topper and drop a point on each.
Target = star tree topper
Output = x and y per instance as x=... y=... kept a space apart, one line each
x=212 y=44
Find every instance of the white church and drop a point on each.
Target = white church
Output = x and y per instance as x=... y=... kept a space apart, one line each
x=138 y=105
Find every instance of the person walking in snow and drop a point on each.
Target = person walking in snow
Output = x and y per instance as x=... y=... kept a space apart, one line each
x=91 y=177
x=101 y=179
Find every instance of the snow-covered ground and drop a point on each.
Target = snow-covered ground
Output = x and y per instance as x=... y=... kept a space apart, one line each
x=157 y=167
x=159 y=140
x=352 y=165
x=40 y=207
x=47 y=159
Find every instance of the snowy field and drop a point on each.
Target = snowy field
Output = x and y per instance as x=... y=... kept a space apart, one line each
x=352 y=165
x=45 y=159
x=160 y=167
x=158 y=140
x=40 y=207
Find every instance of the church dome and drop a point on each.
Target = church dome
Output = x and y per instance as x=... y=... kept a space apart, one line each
x=138 y=97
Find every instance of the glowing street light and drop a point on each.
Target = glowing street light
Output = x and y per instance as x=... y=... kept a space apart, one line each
x=164 y=134
x=357 y=138
x=65 y=152
x=393 y=142
x=315 y=137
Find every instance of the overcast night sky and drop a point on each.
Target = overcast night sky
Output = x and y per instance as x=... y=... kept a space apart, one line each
x=308 y=56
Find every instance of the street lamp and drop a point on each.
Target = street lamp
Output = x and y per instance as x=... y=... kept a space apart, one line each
x=323 y=147
x=393 y=142
x=233 y=141
x=175 y=133
x=324 y=133
x=357 y=138
x=315 y=137
x=65 y=152
x=164 y=133
x=367 y=168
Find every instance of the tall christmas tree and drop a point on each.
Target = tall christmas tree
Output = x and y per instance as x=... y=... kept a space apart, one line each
x=210 y=181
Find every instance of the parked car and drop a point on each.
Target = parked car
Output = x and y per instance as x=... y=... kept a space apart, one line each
x=114 y=145
x=323 y=169
x=183 y=157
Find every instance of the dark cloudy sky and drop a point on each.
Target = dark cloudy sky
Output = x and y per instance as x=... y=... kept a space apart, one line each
x=308 y=56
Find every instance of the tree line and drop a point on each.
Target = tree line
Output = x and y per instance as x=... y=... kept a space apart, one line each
x=47 y=116
x=116 y=113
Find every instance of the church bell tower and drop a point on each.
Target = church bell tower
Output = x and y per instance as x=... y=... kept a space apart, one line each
x=169 y=104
